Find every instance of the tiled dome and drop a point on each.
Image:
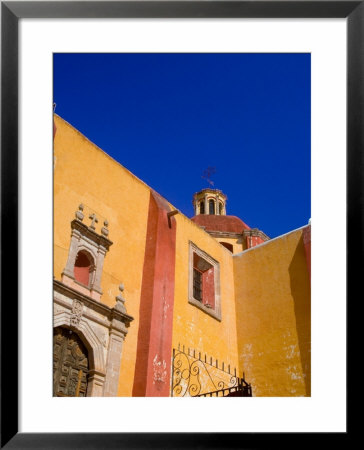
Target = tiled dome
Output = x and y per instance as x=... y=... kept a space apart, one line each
x=213 y=222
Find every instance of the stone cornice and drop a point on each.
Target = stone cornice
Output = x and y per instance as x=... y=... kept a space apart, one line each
x=224 y=234
x=256 y=233
x=90 y=234
x=227 y=234
x=210 y=191
x=108 y=312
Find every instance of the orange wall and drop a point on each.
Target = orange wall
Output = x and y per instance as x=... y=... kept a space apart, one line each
x=83 y=173
x=235 y=242
x=265 y=297
x=193 y=327
x=272 y=291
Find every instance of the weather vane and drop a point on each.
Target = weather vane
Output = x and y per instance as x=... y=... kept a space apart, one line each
x=207 y=175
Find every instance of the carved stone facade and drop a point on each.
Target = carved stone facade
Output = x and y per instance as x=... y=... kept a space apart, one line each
x=247 y=305
x=102 y=329
x=78 y=309
x=86 y=239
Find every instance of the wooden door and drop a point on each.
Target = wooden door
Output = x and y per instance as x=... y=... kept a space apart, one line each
x=70 y=364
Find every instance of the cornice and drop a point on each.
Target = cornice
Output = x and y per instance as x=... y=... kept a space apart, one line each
x=105 y=310
x=90 y=234
x=256 y=233
x=224 y=234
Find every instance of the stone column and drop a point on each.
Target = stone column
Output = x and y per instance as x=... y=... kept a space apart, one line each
x=95 y=384
x=96 y=285
x=206 y=205
x=75 y=237
x=116 y=340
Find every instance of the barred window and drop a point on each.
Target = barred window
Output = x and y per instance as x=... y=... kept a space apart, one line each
x=204 y=282
x=197 y=285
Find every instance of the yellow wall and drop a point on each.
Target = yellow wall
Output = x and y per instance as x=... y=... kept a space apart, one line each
x=272 y=290
x=193 y=327
x=265 y=298
x=235 y=242
x=85 y=174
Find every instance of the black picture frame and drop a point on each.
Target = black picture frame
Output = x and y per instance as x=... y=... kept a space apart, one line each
x=11 y=12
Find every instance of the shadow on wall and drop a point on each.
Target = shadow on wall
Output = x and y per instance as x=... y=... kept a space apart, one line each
x=301 y=294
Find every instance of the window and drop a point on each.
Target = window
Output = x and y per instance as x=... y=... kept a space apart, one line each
x=202 y=207
x=83 y=268
x=204 y=282
x=211 y=207
x=197 y=285
x=87 y=251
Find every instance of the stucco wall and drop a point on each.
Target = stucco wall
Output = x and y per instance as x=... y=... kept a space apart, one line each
x=193 y=327
x=272 y=291
x=237 y=243
x=264 y=292
x=83 y=173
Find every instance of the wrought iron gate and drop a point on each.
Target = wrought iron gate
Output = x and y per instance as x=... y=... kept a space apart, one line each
x=196 y=376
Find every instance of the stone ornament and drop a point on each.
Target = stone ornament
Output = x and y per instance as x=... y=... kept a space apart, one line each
x=79 y=213
x=120 y=301
x=85 y=238
x=76 y=313
x=79 y=216
x=94 y=220
x=104 y=230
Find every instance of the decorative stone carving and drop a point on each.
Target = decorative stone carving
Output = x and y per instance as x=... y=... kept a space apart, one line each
x=94 y=220
x=84 y=238
x=120 y=301
x=57 y=309
x=104 y=230
x=76 y=313
x=79 y=213
x=102 y=329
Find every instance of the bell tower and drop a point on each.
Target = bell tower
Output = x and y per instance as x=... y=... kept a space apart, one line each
x=210 y=214
x=210 y=201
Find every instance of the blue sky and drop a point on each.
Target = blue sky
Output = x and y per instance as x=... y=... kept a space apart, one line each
x=167 y=117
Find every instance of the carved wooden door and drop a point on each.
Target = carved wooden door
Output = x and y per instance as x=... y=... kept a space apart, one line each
x=70 y=364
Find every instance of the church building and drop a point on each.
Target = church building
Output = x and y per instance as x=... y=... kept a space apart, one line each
x=151 y=303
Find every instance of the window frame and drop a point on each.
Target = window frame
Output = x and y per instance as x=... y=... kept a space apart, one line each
x=211 y=202
x=202 y=207
x=91 y=267
x=213 y=312
x=197 y=284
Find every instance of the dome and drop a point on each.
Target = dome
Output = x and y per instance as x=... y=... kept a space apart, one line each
x=211 y=222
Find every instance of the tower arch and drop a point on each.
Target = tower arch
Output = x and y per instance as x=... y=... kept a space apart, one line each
x=209 y=201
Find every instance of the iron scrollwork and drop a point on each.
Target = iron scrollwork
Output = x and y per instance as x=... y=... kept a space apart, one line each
x=193 y=377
